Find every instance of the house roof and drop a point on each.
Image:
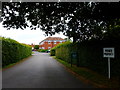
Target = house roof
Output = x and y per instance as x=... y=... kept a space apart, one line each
x=52 y=38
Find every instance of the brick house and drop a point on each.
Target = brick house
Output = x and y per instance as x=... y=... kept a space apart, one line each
x=50 y=42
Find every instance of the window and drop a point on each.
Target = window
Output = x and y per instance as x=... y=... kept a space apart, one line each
x=60 y=41
x=54 y=42
x=48 y=42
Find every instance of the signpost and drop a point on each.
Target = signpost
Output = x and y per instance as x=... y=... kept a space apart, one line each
x=109 y=53
x=74 y=56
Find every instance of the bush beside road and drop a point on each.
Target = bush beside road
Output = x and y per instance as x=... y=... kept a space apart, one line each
x=89 y=54
x=13 y=51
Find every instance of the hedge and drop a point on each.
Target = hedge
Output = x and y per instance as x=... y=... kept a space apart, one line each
x=52 y=51
x=42 y=50
x=13 y=51
x=90 y=55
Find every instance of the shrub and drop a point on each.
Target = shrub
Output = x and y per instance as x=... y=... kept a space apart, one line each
x=53 y=50
x=36 y=47
x=42 y=50
x=13 y=51
x=39 y=50
x=90 y=55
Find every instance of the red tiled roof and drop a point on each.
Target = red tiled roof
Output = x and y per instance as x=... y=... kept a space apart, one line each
x=54 y=38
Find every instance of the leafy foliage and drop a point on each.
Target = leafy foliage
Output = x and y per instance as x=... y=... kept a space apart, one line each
x=36 y=47
x=90 y=55
x=42 y=50
x=13 y=51
x=82 y=21
x=53 y=50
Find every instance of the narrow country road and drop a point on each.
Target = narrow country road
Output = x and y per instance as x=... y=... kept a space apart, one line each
x=40 y=71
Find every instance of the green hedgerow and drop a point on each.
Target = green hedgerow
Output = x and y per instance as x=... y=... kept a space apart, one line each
x=89 y=55
x=13 y=51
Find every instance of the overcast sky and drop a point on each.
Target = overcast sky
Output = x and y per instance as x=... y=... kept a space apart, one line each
x=26 y=36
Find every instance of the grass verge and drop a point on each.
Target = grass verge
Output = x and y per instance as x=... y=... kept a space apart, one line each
x=91 y=77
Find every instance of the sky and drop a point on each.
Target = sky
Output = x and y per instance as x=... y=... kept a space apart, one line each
x=26 y=36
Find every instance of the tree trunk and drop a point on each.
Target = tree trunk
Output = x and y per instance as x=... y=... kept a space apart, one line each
x=74 y=39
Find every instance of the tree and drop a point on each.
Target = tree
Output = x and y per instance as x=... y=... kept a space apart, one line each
x=36 y=47
x=82 y=21
x=113 y=31
x=67 y=39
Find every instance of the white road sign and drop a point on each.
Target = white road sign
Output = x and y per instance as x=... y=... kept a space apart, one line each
x=108 y=52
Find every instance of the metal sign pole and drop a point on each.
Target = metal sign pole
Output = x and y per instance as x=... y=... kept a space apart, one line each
x=109 y=68
x=109 y=53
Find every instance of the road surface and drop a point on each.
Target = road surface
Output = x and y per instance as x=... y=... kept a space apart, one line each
x=40 y=71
